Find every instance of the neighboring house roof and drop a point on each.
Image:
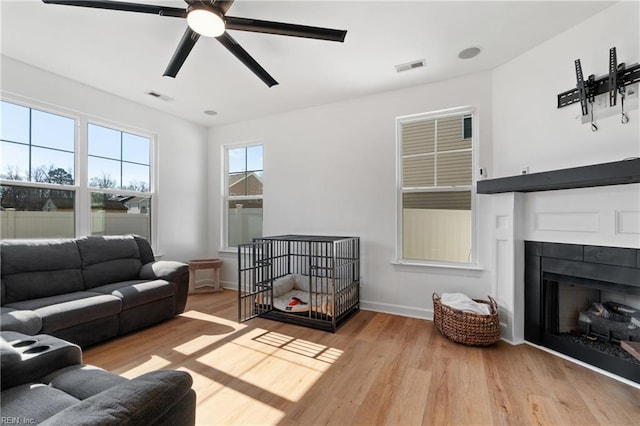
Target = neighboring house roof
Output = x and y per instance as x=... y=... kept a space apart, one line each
x=108 y=205
x=237 y=182
x=233 y=179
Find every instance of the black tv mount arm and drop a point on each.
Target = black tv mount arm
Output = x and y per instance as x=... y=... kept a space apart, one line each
x=585 y=92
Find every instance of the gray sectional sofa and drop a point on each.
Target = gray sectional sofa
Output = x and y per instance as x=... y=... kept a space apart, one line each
x=45 y=382
x=89 y=289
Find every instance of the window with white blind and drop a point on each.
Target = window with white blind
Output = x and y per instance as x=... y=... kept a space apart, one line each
x=435 y=187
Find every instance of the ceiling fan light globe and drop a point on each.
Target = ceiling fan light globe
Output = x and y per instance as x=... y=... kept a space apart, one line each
x=205 y=22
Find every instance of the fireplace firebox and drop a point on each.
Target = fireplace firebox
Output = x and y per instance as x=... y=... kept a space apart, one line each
x=583 y=301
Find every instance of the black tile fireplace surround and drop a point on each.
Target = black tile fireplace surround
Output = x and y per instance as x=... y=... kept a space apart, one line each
x=606 y=269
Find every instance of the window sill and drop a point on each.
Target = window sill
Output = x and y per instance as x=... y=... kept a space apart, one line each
x=439 y=266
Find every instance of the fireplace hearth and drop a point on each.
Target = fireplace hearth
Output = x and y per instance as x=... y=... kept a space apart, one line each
x=570 y=293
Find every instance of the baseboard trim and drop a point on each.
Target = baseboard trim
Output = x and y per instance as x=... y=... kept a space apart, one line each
x=405 y=311
x=229 y=285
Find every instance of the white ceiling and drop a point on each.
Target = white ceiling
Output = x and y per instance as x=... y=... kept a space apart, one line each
x=126 y=53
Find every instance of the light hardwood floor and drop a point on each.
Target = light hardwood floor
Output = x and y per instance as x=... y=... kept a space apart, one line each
x=377 y=369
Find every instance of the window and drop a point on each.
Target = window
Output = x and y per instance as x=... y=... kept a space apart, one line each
x=243 y=194
x=466 y=127
x=43 y=196
x=435 y=191
x=37 y=195
x=119 y=161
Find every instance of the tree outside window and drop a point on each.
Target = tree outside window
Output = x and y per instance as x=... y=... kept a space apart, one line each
x=40 y=194
x=37 y=194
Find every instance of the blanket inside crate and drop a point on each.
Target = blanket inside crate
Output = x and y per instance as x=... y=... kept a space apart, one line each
x=291 y=293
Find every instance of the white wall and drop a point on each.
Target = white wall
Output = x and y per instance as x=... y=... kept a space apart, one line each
x=529 y=130
x=181 y=146
x=332 y=170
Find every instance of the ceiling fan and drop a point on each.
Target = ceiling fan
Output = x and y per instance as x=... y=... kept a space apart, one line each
x=209 y=18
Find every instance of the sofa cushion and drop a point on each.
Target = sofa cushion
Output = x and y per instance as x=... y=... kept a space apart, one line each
x=137 y=292
x=66 y=310
x=34 y=285
x=22 y=321
x=110 y=259
x=83 y=381
x=34 y=403
x=51 y=255
x=39 y=268
x=141 y=401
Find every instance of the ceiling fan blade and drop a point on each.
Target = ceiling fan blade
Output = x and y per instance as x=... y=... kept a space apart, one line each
x=187 y=42
x=280 y=28
x=124 y=6
x=227 y=41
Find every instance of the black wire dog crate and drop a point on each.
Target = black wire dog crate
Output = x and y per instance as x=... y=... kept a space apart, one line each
x=301 y=279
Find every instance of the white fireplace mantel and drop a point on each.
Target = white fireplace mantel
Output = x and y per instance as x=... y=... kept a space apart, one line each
x=603 y=215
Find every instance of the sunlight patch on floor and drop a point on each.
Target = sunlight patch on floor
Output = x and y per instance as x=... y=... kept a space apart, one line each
x=234 y=410
x=273 y=363
x=212 y=318
x=300 y=347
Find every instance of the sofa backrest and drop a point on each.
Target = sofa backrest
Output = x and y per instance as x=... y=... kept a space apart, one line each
x=146 y=252
x=39 y=268
x=109 y=259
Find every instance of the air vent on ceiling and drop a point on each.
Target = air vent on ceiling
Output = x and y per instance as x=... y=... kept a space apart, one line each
x=410 y=65
x=159 y=96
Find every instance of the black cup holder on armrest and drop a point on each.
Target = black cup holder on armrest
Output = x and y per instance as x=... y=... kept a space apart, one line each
x=37 y=349
x=21 y=343
x=36 y=357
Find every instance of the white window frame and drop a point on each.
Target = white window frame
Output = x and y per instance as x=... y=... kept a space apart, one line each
x=153 y=177
x=82 y=207
x=464 y=110
x=224 y=191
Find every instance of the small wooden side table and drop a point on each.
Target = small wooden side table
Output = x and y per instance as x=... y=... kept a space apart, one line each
x=204 y=276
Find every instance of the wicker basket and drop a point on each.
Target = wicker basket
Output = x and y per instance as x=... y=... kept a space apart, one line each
x=467 y=328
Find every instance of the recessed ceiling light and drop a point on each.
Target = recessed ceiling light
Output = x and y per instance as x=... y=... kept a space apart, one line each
x=210 y=112
x=469 y=53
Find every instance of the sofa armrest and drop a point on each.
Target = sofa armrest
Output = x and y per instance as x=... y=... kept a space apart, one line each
x=27 y=359
x=145 y=400
x=22 y=321
x=175 y=272
x=164 y=269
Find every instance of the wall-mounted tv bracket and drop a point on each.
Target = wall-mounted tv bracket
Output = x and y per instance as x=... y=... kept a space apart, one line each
x=615 y=82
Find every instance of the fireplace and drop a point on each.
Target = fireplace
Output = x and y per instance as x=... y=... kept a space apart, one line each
x=573 y=294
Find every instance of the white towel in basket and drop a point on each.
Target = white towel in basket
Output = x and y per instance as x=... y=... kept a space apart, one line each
x=464 y=303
